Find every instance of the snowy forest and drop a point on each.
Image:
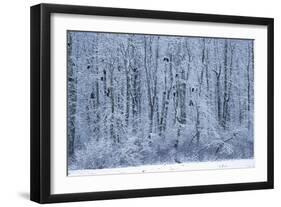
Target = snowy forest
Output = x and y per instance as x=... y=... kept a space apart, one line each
x=135 y=99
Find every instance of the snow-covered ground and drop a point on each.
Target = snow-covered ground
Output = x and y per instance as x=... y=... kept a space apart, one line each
x=228 y=164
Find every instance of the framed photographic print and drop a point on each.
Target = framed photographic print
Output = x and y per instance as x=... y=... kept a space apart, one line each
x=132 y=103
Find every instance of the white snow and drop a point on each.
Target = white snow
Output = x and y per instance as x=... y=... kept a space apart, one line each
x=216 y=165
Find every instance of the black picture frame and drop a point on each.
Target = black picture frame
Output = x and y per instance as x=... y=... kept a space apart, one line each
x=40 y=184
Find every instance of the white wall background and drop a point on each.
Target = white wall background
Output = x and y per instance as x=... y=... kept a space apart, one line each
x=14 y=101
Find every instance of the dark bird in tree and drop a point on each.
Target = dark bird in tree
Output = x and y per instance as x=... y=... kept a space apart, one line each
x=108 y=92
x=166 y=59
x=190 y=103
x=134 y=69
x=176 y=144
x=92 y=95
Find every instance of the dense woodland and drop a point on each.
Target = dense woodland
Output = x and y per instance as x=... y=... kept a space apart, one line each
x=146 y=99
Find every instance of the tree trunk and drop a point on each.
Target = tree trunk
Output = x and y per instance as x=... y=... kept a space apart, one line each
x=72 y=98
